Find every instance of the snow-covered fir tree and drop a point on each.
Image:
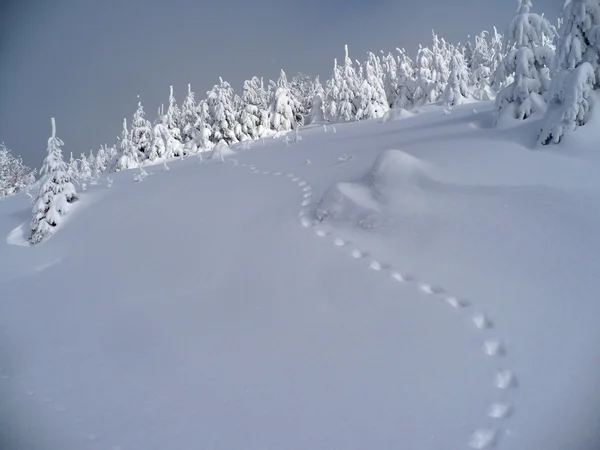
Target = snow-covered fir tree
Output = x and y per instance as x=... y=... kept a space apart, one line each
x=440 y=68
x=203 y=129
x=189 y=117
x=285 y=109
x=85 y=169
x=173 y=124
x=527 y=61
x=424 y=78
x=222 y=113
x=405 y=84
x=14 y=175
x=302 y=89
x=141 y=133
x=55 y=193
x=347 y=90
x=389 y=67
x=332 y=93
x=457 y=88
x=128 y=156
x=372 y=101
x=316 y=114
x=252 y=103
x=160 y=136
x=578 y=70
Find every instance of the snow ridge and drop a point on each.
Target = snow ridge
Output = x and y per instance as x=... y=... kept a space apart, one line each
x=505 y=379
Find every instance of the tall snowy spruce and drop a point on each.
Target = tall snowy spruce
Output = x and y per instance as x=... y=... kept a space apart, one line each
x=56 y=192
x=141 y=133
x=189 y=117
x=405 y=82
x=578 y=71
x=285 y=108
x=254 y=115
x=128 y=156
x=316 y=113
x=371 y=98
x=528 y=62
x=173 y=124
x=222 y=113
x=457 y=88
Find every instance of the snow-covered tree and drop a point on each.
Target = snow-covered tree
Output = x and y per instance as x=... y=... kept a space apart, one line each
x=424 y=78
x=578 y=70
x=316 y=114
x=222 y=113
x=302 y=89
x=203 y=129
x=56 y=192
x=285 y=109
x=141 y=133
x=332 y=93
x=347 y=90
x=160 y=136
x=250 y=115
x=73 y=168
x=405 y=84
x=389 y=67
x=85 y=169
x=173 y=124
x=440 y=68
x=528 y=61
x=14 y=175
x=189 y=117
x=371 y=99
x=457 y=88
x=128 y=157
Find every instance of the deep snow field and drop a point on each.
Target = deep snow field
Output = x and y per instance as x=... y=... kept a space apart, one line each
x=427 y=282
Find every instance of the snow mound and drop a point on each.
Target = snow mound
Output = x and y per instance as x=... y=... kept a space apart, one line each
x=396 y=170
x=19 y=236
x=395 y=179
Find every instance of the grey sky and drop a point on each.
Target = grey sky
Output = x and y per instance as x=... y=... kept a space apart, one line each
x=84 y=61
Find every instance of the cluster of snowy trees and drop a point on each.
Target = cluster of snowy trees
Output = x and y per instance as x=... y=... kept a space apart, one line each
x=14 y=175
x=534 y=70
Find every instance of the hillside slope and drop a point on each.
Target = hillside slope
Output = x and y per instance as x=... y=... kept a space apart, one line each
x=428 y=282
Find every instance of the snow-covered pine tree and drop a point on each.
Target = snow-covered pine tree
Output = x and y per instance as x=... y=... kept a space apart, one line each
x=189 y=117
x=302 y=89
x=440 y=68
x=73 y=168
x=14 y=175
x=405 y=84
x=526 y=60
x=55 y=193
x=173 y=124
x=389 y=67
x=128 y=157
x=203 y=129
x=457 y=88
x=578 y=71
x=498 y=53
x=85 y=170
x=332 y=93
x=423 y=77
x=371 y=99
x=160 y=136
x=316 y=114
x=346 y=102
x=141 y=133
x=222 y=113
x=250 y=116
x=285 y=109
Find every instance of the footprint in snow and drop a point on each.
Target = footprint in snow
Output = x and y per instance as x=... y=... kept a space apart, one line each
x=482 y=439
x=296 y=179
x=430 y=289
x=482 y=322
x=306 y=202
x=307 y=189
x=339 y=242
x=376 y=266
x=306 y=222
x=321 y=233
x=357 y=254
x=500 y=410
x=395 y=275
x=457 y=302
x=494 y=347
x=505 y=379
x=301 y=183
x=277 y=174
x=290 y=175
x=307 y=195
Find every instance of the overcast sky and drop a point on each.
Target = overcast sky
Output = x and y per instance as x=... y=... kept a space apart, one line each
x=85 y=61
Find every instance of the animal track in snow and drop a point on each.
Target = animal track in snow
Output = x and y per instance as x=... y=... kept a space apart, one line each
x=500 y=410
x=457 y=302
x=357 y=254
x=494 y=347
x=482 y=439
x=482 y=321
x=504 y=379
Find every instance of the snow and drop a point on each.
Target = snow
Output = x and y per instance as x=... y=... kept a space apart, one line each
x=438 y=290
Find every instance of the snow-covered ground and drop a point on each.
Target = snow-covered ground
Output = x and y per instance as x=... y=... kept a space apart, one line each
x=423 y=283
